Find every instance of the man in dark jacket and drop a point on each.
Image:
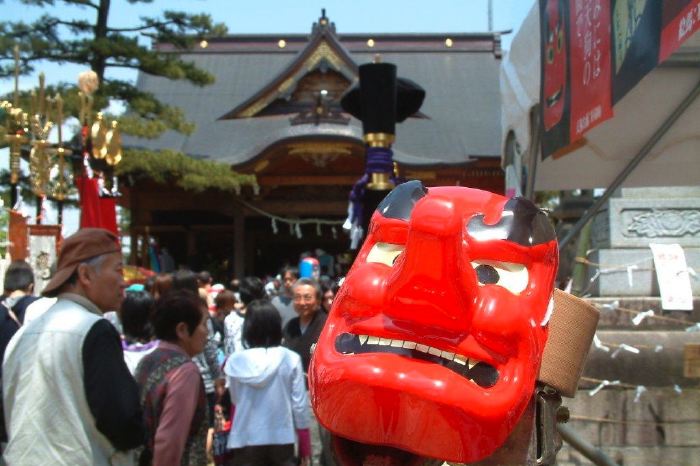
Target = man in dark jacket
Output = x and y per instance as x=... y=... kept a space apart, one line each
x=303 y=331
x=300 y=334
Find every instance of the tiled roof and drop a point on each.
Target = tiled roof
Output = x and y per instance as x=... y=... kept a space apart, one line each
x=462 y=96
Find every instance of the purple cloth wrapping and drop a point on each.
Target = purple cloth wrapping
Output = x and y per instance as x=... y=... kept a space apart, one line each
x=378 y=160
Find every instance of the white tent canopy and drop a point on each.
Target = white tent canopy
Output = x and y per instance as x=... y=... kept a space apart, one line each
x=673 y=161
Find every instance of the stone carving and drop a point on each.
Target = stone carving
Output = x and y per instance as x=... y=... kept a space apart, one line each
x=656 y=223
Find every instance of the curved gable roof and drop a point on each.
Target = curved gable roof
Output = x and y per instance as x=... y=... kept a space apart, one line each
x=323 y=50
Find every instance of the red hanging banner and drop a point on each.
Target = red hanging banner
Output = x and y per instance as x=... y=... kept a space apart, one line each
x=680 y=19
x=590 y=65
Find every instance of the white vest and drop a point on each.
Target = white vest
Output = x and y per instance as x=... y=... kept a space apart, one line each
x=47 y=415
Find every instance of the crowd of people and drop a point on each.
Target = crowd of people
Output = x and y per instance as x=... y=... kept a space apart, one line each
x=176 y=370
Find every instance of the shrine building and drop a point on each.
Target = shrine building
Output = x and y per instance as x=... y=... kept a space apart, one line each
x=274 y=112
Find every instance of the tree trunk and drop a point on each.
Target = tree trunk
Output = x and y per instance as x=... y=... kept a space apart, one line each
x=98 y=61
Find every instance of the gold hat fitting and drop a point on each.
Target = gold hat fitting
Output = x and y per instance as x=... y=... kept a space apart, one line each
x=379 y=139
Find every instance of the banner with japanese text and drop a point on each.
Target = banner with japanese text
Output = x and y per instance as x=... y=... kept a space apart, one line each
x=590 y=65
x=594 y=52
x=680 y=19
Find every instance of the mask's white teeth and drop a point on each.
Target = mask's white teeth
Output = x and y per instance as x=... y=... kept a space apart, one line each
x=448 y=355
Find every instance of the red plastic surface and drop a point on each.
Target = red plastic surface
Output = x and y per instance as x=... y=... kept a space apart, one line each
x=430 y=295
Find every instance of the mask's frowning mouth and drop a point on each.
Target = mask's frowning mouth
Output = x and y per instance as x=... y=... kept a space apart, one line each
x=479 y=372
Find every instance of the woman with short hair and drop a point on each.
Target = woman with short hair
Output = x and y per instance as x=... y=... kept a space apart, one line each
x=172 y=391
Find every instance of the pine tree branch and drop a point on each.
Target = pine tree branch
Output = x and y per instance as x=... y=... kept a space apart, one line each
x=60 y=38
x=43 y=3
x=133 y=66
x=87 y=3
x=142 y=28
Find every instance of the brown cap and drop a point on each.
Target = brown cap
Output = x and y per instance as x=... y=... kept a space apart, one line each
x=76 y=249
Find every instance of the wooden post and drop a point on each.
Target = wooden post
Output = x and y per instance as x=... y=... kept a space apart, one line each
x=239 y=244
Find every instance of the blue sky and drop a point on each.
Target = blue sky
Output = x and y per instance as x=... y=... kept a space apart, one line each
x=287 y=16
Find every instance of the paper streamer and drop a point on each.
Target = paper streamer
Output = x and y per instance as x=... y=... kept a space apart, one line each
x=274 y=226
x=624 y=347
x=601 y=385
x=598 y=344
x=636 y=320
x=610 y=306
x=638 y=393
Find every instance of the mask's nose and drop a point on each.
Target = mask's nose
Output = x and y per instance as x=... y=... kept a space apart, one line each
x=429 y=289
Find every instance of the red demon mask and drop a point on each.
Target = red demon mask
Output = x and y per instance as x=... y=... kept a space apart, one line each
x=433 y=344
x=554 y=64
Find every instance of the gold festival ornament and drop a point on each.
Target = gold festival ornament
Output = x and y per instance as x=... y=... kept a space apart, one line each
x=98 y=136
x=113 y=145
x=39 y=160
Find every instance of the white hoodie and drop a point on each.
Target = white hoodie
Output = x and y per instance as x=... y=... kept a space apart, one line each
x=267 y=387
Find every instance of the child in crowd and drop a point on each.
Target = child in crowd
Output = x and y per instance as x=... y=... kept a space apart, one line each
x=137 y=337
x=266 y=383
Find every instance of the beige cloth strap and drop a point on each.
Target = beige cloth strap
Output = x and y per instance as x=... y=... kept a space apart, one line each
x=571 y=330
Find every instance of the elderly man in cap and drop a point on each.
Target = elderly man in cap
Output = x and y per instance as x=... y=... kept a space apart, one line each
x=68 y=396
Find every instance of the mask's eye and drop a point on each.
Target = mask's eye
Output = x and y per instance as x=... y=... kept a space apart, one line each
x=384 y=253
x=511 y=276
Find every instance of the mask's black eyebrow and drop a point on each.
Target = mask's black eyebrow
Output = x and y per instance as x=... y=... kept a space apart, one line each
x=521 y=222
x=399 y=203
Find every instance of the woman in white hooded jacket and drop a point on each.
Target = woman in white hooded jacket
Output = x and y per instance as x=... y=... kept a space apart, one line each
x=266 y=382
